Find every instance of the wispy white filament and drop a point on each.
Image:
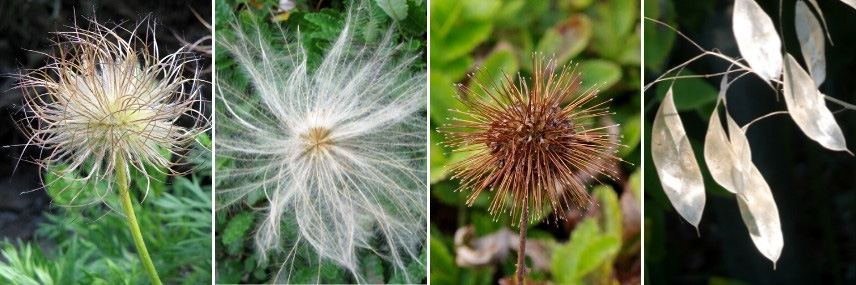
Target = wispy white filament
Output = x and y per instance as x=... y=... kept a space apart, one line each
x=105 y=97
x=340 y=148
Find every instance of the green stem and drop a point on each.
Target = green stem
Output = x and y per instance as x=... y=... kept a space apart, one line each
x=122 y=181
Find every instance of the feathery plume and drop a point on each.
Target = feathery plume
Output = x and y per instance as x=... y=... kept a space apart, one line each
x=104 y=98
x=106 y=107
x=341 y=148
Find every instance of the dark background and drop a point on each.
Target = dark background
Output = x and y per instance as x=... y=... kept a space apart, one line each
x=814 y=188
x=27 y=26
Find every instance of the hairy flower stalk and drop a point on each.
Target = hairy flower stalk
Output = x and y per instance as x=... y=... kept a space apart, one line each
x=531 y=146
x=338 y=152
x=106 y=107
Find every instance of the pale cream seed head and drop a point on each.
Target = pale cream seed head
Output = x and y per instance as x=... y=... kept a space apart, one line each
x=106 y=97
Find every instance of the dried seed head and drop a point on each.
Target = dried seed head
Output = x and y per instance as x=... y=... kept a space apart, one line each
x=528 y=142
x=337 y=151
x=103 y=98
x=316 y=141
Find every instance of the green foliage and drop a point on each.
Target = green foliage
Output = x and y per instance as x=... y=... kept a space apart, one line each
x=702 y=92
x=603 y=41
x=658 y=38
x=592 y=247
x=176 y=227
x=395 y=9
x=316 y=29
x=443 y=269
x=237 y=227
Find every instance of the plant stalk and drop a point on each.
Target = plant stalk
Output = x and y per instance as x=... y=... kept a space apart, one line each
x=521 y=248
x=124 y=194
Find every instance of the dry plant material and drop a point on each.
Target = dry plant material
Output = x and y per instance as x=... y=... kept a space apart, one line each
x=728 y=155
x=106 y=107
x=530 y=148
x=337 y=151
x=105 y=98
x=493 y=248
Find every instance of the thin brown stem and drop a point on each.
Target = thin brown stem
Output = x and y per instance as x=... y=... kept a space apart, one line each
x=521 y=249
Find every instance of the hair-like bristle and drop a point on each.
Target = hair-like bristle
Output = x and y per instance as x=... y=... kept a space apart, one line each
x=105 y=97
x=340 y=150
x=533 y=142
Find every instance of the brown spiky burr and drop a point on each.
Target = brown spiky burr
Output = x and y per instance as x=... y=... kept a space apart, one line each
x=532 y=147
x=532 y=144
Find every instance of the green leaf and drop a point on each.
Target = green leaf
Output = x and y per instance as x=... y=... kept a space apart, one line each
x=416 y=23
x=631 y=132
x=71 y=190
x=586 y=250
x=658 y=38
x=614 y=21
x=566 y=39
x=443 y=98
x=611 y=209
x=445 y=192
x=443 y=268
x=454 y=70
x=635 y=183
x=373 y=25
x=566 y=257
x=601 y=73
x=372 y=268
x=304 y=275
x=575 y=5
x=696 y=92
x=599 y=251
x=493 y=70
x=510 y=12
x=396 y=9
x=237 y=227
x=331 y=272
x=325 y=21
x=481 y=9
x=223 y=13
x=483 y=222
x=415 y=272
x=457 y=27
x=438 y=157
x=632 y=51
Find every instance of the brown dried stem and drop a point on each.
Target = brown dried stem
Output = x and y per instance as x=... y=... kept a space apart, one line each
x=521 y=250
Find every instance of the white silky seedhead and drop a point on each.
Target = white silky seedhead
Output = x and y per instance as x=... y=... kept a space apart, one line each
x=339 y=149
x=103 y=98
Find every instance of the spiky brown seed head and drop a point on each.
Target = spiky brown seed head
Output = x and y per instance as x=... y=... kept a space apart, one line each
x=538 y=142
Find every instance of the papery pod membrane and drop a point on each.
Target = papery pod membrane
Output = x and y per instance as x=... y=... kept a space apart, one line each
x=808 y=108
x=822 y=19
x=811 y=42
x=718 y=153
x=851 y=3
x=757 y=39
x=676 y=163
x=755 y=201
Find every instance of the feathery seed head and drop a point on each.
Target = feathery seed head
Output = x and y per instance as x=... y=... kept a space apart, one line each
x=317 y=141
x=337 y=151
x=104 y=97
x=531 y=142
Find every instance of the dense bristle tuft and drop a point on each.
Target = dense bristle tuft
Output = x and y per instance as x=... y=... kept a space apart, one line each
x=531 y=142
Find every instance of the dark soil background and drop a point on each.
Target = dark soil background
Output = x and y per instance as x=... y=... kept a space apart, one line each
x=27 y=26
